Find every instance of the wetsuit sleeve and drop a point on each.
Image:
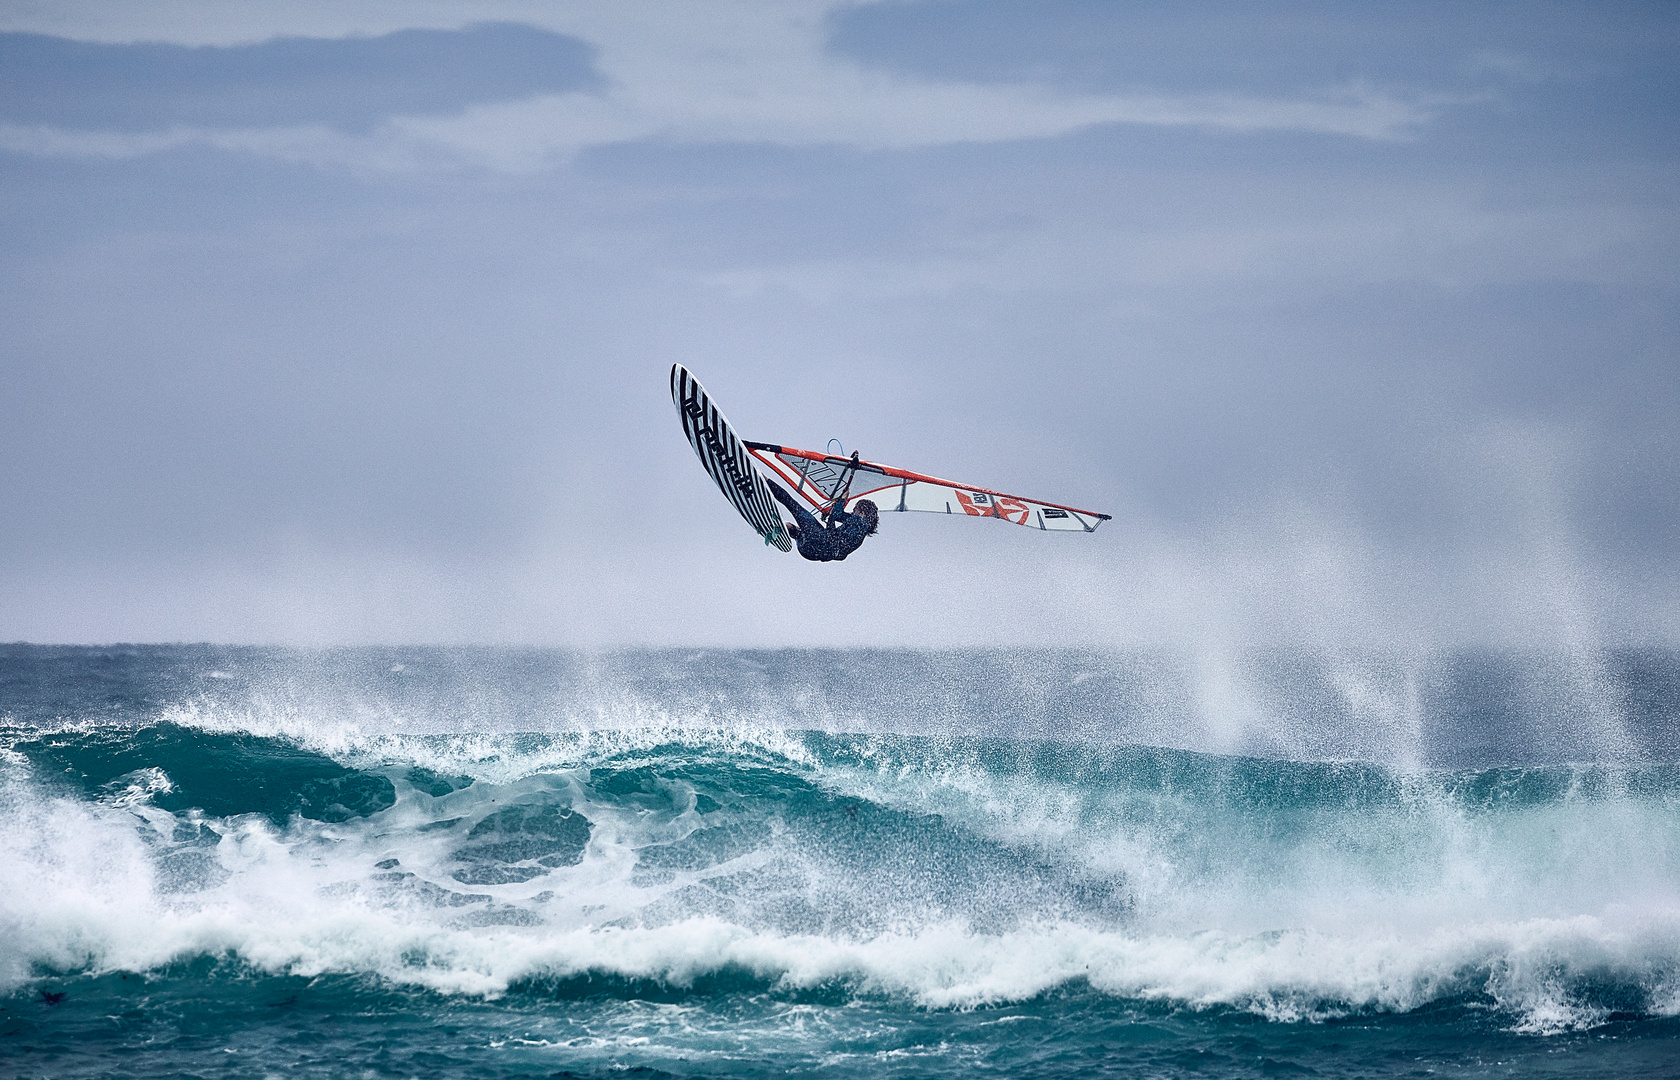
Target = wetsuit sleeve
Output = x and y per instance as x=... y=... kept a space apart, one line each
x=849 y=531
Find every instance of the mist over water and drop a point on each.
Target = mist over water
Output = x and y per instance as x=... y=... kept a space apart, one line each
x=838 y=862
x=1424 y=709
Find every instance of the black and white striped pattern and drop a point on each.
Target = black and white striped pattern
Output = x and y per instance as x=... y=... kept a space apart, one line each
x=725 y=459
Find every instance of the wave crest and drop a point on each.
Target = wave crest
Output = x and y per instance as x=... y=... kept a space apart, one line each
x=947 y=872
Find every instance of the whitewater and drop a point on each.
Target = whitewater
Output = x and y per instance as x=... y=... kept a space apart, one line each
x=511 y=862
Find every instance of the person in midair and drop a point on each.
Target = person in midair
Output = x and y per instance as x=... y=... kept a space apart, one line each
x=839 y=537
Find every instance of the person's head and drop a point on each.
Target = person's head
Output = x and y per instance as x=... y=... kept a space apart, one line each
x=866 y=510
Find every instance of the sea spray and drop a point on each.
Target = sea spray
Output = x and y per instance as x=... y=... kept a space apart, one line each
x=851 y=892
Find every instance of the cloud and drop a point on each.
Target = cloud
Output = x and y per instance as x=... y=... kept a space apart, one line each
x=1268 y=245
x=307 y=144
x=349 y=84
x=750 y=72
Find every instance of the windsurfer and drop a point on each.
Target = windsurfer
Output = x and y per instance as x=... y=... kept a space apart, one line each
x=831 y=542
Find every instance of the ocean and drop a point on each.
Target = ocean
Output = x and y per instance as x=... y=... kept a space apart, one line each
x=498 y=862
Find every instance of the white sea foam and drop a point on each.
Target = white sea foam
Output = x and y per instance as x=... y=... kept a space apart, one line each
x=1293 y=913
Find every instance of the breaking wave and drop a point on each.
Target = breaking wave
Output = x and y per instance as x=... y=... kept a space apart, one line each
x=940 y=872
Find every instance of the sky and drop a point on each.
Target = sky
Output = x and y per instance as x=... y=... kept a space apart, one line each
x=351 y=322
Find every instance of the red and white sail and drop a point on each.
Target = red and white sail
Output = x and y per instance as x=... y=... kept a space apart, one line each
x=822 y=479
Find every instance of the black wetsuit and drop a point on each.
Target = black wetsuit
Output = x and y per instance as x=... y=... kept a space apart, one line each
x=842 y=535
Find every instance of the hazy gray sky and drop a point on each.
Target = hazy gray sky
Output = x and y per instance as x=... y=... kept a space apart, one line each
x=339 y=322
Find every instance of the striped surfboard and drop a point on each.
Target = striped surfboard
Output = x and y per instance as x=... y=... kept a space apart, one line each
x=724 y=458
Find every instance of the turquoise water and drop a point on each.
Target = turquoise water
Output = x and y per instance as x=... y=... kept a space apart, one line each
x=496 y=863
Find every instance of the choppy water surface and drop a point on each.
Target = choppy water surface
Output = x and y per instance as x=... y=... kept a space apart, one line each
x=401 y=862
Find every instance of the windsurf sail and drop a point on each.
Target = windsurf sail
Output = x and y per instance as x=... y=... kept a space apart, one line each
x=824 y=481
x=725 y=459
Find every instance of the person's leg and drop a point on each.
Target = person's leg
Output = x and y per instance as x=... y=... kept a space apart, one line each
x=802 y=517
x=782 y=496
x=807 y=531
